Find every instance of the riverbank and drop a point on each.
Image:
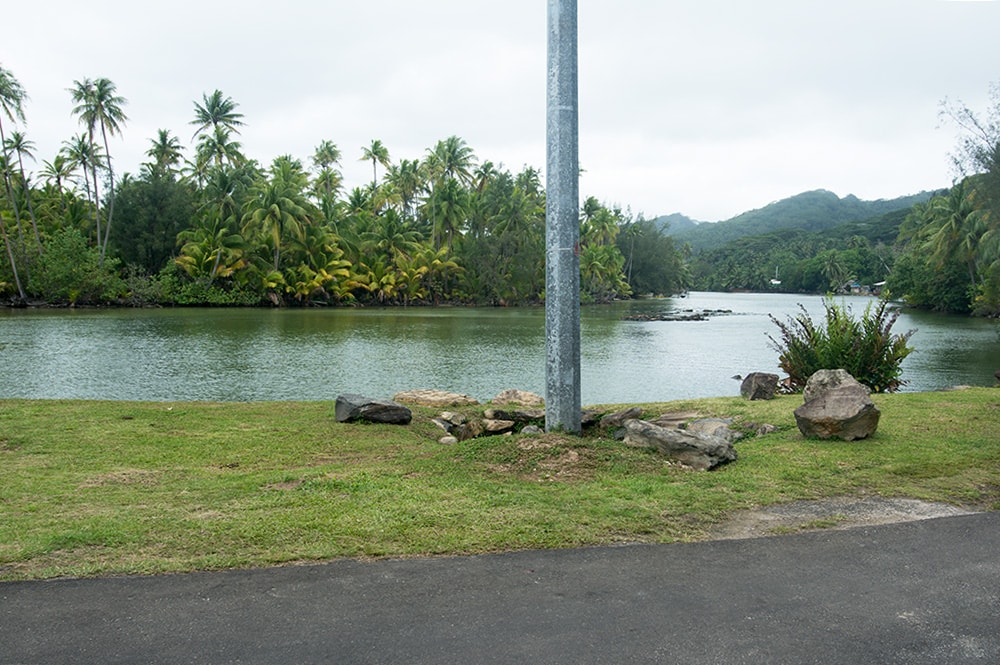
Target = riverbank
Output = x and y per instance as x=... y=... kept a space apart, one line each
x=105 y=488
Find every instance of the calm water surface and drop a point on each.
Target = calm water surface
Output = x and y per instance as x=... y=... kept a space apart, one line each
x=316 y=354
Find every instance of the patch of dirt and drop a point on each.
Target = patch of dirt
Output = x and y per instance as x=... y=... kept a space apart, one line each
x=286 y=485
x=837 y=514
x=123 y=477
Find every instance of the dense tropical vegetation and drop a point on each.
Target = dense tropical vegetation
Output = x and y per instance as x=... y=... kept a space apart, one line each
x=216 y=227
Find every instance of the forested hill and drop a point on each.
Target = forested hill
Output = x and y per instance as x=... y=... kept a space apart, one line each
x=812 y=211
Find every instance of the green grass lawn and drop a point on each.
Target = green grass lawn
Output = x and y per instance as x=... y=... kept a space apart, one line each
x=101 y=488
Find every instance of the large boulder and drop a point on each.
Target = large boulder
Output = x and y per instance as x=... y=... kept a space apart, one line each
x=759 y=385
x=691 y=448
x=837 y=407
x=358 y=407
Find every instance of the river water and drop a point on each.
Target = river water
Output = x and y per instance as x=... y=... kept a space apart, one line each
x=317 y=354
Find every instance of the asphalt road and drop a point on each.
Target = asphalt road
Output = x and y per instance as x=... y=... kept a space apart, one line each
x=913 y=593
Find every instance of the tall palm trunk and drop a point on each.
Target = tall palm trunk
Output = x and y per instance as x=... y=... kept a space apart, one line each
x=97 y=201
x=31 y=208
x=10 y=187
x=13 y=263
x=111 y=193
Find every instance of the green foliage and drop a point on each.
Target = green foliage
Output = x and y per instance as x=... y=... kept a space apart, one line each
x=951 y=252
x=920 y=284
x=71 y=271
x=653 y=264
x=149 y=213
x=864 y=347
x=803 y=261
x=811 y=211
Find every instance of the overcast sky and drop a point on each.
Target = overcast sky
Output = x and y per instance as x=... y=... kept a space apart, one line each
x=704 y=107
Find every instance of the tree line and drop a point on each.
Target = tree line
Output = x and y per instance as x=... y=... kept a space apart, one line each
x=219 y=228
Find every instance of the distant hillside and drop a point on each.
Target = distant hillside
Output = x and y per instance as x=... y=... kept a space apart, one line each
x=812 y=211
x=799 y=258
x=675 y=223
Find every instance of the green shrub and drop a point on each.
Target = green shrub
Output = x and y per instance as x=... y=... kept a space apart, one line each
x=71 y=271
x=865 y=348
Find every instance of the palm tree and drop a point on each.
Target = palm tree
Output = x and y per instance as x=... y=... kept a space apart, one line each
x=97 y=104
x=211 y=250
x=165 y=152
x=216 y=148
x=22 y=147
x=378 y=154
x=834 y=270
x=957 y=226
x=452 y=158
x=326 y=155
x=217 y=111
x=408 y=182
x=391 y=236
x=449 y=208
x=279 y=206
x=81 y=153
x=12 y=98
x=57 y=170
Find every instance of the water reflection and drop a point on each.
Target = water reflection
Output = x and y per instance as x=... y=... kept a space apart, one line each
x=237 y=355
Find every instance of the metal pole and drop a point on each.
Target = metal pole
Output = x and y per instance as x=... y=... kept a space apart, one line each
x=562 y=224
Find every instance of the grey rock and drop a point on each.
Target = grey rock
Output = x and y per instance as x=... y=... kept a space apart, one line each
x=453 y=418
x=617 y=419
x=498 y=426
x=674 y=419
x=517 y=415
x=827 y=379
x=532 y=429
x=522 y=398
x=844 y=412
x=692 y=449
x=714 y=427
x=759 y=385
x=447 y=440
x=589 y=418
x=444 y=424
x=469 y=430
x=351 y=407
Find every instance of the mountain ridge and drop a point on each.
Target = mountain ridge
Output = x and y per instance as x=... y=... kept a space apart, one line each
x=814 y=210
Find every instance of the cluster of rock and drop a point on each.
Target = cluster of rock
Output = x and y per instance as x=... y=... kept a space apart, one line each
x=513 y=409
x=680 y=315
x=695 y=443
x=836 y=406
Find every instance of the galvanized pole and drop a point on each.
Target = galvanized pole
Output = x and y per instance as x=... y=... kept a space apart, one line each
x=562 y=224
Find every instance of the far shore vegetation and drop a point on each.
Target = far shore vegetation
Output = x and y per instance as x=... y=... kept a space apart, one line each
x=110 y=488
x=207 y=224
